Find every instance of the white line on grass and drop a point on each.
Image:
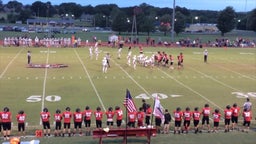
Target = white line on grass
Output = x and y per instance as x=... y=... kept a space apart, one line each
x=132 y=78
x=228 y=86
x=245 y=76
x=87 y=73
x=6 y=68
x=44 y=84
x=189 y=88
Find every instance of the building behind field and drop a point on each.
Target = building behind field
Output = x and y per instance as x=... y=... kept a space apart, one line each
x=201 y=28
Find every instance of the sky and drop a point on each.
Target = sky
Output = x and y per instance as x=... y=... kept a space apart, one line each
x=238 y=5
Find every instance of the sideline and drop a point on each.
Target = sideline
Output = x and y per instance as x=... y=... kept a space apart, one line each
x=89 y=77
x=7 y=67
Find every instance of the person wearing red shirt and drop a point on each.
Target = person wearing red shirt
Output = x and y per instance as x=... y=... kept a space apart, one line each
x=140 y=117
x=247 y=115
x=78 y=119
x=148 y=115
x=87 y=120
x=6 y=117
x=187 y=115
x=196 y=119
x=227 y=116
x=110 y=115
x=67 y=115
x=119 y=116
x=98 y=116
x=21 y=117
x=216 y=120
x=235 y=113
x=177 y=120
x=131 y=119
x=181 y=59
x=206 y=111
x=171 y=59
x=57 y=119
x=45 y=117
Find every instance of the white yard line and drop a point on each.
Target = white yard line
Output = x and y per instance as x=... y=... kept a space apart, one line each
x=6 y=68
x=44 y=83
x=89 y=77
x=189 y=88
x=210 y=77
x=132 y=78
x=245 y=76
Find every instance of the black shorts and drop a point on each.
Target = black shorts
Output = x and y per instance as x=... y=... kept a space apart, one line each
x=147 y=120
x=196 y=122
x=1 y=126
x=67 y=125
x=21 y=127
x=118 y=123
x=110 y=123
x=77 y=125
x=227 y=121
x=131 y=124
x=177 y=123
x=186 y=123
x=216 y=124
x=205 y=119
x=234 y=119
x=87 y=123
x=58 y=126
x=46 y=125
x=246 y=123
x=7 y=126
x=158 y=121
x=98 y=123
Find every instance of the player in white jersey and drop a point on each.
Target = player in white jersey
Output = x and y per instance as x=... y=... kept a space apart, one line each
x=104 y=65
x=96 y=51
x=129 y=55
x=134 y=61
x=91 y=52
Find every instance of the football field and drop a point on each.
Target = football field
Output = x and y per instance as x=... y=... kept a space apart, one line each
x=228 y=77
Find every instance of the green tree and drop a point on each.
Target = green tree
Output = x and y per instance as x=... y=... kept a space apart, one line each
x=251 y=25
x=147 y=24
x=120 y=23
x=165 y=25
x=179 y=22
x=226 y=20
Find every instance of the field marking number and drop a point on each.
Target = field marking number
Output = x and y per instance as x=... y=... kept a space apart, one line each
x=38 y=98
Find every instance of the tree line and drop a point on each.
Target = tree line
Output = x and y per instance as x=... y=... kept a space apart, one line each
x=148 y=18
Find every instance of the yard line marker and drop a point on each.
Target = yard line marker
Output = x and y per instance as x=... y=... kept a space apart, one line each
x=210 y=77
x=132 y=78
x=87 y=73
x=6 y=68
x=189 y=88
x=44 y=84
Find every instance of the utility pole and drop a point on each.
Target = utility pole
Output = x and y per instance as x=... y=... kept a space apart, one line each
x=173 y=20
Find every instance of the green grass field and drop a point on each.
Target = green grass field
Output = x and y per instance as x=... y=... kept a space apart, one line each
x=228 y=77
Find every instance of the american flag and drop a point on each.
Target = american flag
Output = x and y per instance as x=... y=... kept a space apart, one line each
x=128 y=102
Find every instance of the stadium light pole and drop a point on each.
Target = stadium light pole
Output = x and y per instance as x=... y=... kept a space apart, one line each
x=173 y=19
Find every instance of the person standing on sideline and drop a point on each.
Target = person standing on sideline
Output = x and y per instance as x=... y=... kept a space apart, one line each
x=216 y=120
x=119 y=116
x=148 y=114
x=45 y=117
x=205 y=55
x=140 y=117
x=167 y=120
x=29 y=57
x=129 y=55
x=98 y=117
x=57 y=119
x=247 y=115
x=78 y=119
x=67 y=115
x=110 y=115
x=235 y=113
x=21 y=117
x=87 y=120
x=196 y=119
x=206 y=111
x=177 y=120
x=108 y=59
x=248 y=104
x=6 y=117
x=227 y=116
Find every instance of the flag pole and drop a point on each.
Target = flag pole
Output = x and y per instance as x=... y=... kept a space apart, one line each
x=126 y=119
x=152 y=115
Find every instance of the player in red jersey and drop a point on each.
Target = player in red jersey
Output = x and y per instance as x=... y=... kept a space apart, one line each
x=216 y=120
x=78 y=119
x=110 y=117
x=196 y=119
x=227 y=116
x=119 y=116
x=247 y=114
x=6 y=117
x=171 y=59
x=87 y=113
x=235 y=113
x=131 y=119
x=206 y=111
x=177 y=120
x=187 y=115
x=21 y=118
x=57 y=119
x=181 y=59
x=98 y=116
x=67 y=115
x=140 y=117
x=45 y=117
x=148 y=115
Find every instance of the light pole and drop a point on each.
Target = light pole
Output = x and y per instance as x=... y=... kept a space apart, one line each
x=173 y=19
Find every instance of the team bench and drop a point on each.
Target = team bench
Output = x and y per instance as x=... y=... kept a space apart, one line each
x=123 y=132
